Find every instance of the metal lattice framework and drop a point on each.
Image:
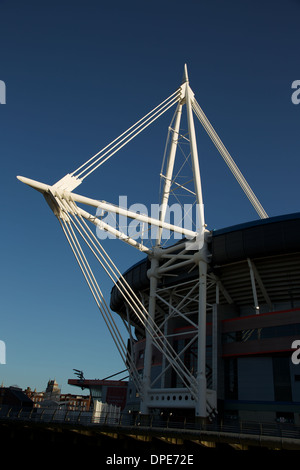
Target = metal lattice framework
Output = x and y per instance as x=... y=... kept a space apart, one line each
x=191 y=251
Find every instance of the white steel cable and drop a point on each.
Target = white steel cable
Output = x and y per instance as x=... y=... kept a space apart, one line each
x=178 y=355
x=134 y=307
x=94 y=287
x=98 y=296
x=126 y=142
x=229 y=160
x=88 y=161
x=141 y=313
x=109 y=321
x=93 y=163
x=106 y=263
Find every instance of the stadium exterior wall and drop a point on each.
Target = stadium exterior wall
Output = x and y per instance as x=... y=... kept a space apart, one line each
x=256 y=378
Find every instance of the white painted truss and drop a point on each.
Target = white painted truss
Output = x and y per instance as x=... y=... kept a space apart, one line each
x=190 y=306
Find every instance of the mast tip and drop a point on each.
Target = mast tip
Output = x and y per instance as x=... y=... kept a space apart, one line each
x=185 y=75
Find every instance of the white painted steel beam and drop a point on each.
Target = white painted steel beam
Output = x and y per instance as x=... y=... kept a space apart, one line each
x=163 y=261
x=44 y=188
x=169 y=171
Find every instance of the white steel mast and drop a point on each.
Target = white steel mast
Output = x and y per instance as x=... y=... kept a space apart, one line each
x=190 y=252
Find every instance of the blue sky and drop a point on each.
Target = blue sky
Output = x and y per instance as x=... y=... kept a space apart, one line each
x=78 y=74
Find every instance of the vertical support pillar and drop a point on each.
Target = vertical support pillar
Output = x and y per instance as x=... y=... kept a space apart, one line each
x=169 y=171
x=200 y=409
x=164 y=361
x=215 y=347
x=215 y=340
x=201 y=366
x=153 y=276
x=194 y=154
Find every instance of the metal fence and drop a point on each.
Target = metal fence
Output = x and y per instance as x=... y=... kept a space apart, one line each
x=135 y=420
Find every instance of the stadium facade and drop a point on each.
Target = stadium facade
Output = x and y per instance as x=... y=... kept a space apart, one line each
x=211 y=320
x=253 y=318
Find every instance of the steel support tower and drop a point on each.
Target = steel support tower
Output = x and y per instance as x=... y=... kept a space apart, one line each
x=191 y=251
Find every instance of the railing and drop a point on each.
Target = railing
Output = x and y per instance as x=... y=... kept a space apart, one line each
x=133 y=420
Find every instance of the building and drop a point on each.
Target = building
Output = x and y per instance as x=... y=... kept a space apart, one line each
x=111 y=392
x=253 y=317
x=36 y=397
x=75 y=402
x=52 y=391
x=14 y=397
x=211 y=319
x=53 y=398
